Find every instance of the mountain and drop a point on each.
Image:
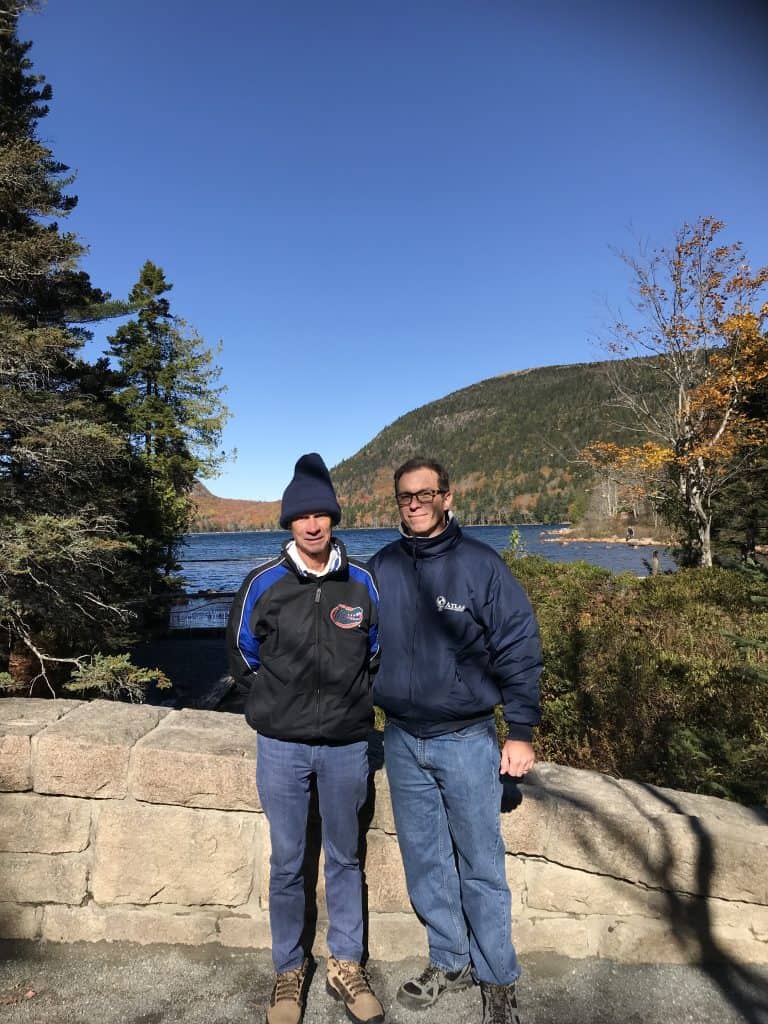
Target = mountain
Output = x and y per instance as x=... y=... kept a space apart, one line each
x=222 y=514
x=509 y=444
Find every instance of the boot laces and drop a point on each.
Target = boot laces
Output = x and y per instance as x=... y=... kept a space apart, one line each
x=288 y=985
x=429 y=974
x=502 y=1005
x=354 y=977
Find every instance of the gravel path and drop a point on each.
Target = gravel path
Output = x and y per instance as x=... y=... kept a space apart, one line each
x=109 y=983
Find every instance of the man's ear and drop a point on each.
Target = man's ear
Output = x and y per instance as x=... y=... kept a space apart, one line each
x=447 y=500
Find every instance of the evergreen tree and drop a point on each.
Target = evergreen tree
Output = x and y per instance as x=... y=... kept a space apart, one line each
x=173 y=412
x=61 y=594
x=741 y=509
x=39 y=277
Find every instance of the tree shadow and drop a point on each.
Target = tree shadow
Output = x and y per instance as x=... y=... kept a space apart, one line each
x=689 y=913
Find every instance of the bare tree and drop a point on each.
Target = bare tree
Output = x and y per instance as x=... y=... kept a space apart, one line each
x=699 y=322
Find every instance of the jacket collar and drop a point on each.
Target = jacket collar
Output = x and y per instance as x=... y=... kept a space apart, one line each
x=431 y=547
x=337 y=563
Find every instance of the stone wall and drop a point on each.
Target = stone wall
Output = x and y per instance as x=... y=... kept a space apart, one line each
x=143 y=824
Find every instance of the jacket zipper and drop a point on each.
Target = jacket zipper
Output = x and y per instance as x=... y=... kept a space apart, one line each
x=318 y=594
x=416 y=616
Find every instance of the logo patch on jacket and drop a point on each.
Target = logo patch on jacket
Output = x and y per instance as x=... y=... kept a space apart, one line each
x=444 y=605
x=346 y=617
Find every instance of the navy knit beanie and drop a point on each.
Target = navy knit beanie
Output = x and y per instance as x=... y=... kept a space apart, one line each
x=310 y=491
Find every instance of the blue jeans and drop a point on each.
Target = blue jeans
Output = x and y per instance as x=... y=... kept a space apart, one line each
x=446 y=797
x=283 y=775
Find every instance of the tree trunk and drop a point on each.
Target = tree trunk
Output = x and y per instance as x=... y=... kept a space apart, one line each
x=705 y=539
x=23 y=666
x=703 y=515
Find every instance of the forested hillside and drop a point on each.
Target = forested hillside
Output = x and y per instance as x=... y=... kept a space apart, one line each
x=510 y=444
x=215 y=514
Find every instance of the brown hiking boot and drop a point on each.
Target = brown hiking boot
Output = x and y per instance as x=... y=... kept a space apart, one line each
x=286 y=1004
x=348 y=982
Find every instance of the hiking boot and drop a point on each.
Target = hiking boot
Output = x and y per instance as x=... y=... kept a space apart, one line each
x=348 y=982
x=286 y=1004
x=499 y=1004
x=419 y=993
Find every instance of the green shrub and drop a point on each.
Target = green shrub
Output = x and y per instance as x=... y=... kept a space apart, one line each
x=115 y=677
x=643 y=679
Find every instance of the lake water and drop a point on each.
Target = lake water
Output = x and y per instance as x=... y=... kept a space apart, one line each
x=220 y=561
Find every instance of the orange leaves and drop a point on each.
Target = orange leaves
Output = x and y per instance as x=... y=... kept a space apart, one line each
x=746 y=281
x=689 y=296
x=743 y=326
x=701 y=311
x=601 y=454
x=731 y=374
x=707 y=450
x=652 y=456
x=637 y=459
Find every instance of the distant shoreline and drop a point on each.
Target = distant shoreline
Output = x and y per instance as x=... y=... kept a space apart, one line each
x=350 y=529
x=565 y=535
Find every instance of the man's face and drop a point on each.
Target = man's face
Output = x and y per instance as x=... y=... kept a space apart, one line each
x=422 y=519
x=312 y=534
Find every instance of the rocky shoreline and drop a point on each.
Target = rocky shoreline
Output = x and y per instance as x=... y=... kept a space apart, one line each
x=567 y=535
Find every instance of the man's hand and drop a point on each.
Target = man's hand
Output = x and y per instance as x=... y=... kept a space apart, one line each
x=517 y=758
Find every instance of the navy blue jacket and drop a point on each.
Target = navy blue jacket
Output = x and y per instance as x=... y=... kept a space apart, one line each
x=302 y=650
x=458 y=636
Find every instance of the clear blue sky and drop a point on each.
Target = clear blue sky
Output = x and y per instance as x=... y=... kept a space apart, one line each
x=377 y=202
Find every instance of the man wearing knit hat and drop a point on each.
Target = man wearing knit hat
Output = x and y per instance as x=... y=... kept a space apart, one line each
x=302 y=644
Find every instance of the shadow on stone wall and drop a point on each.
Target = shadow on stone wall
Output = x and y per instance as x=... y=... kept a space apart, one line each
x=664 y=866
x=687 y=909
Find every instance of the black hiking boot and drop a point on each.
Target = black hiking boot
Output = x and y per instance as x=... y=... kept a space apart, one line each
x=423 y=991
x=499 y=1004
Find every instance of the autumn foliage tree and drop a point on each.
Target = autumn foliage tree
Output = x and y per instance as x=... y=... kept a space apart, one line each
x=628 y=477
x=700 y=318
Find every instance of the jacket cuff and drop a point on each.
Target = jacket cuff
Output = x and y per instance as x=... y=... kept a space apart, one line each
x=517 y=731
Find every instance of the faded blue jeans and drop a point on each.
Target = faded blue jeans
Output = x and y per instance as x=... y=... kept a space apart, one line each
x=283 y=775
x=446 y=798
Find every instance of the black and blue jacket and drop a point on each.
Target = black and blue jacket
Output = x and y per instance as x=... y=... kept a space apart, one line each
x=302 y=650
x=458 y=636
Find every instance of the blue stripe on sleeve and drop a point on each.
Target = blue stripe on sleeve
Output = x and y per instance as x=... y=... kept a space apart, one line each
x=247 y=643
x=357 y=572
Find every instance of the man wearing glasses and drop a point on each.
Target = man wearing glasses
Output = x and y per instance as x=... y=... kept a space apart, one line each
x=458 y=637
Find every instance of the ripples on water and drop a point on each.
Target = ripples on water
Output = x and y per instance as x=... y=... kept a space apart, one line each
x=220 y=561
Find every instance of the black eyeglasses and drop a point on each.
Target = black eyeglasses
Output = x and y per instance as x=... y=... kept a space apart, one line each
x=423 y=497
